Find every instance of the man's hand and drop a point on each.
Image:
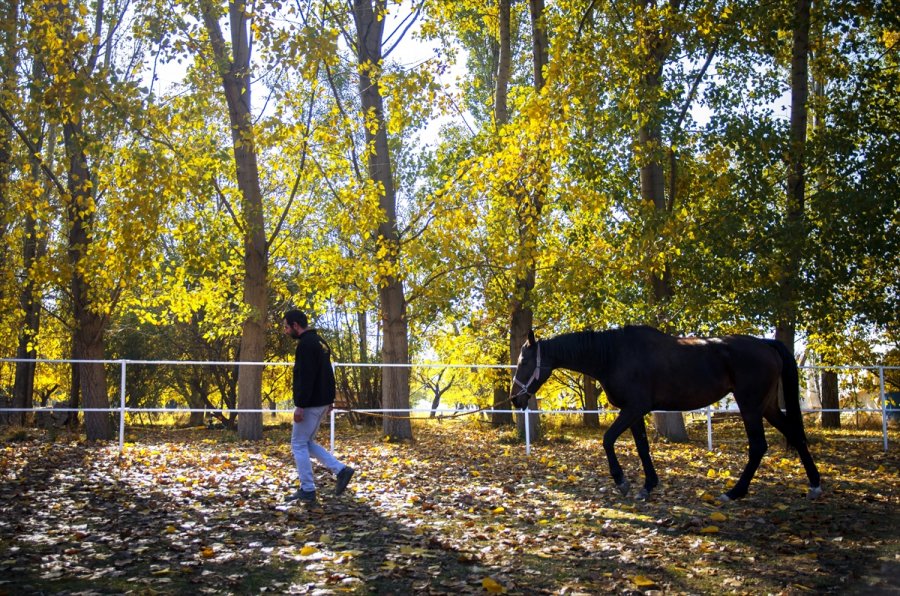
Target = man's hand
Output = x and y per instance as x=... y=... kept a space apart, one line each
x=298 y=414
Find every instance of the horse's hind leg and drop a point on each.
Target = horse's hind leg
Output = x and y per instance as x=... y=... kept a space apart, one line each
x=639 y=432
x=756 y=436
x=796 y=439
x=622 y=421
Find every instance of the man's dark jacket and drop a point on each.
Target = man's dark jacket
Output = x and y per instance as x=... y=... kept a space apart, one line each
x=313 y=374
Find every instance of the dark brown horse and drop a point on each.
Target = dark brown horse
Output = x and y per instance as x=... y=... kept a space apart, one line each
x=642 y=369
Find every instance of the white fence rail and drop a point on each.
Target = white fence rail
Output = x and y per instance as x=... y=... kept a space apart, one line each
x=122 y=409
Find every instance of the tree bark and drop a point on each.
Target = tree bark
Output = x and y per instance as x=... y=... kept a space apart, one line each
x=8 y=91
x=501 y=118
x=90 y=325
x=794 y=232
x=368 y=16
x=528 y=211
x=653 y=188
x=830 y=400
x=32 y=248
x=235 y=73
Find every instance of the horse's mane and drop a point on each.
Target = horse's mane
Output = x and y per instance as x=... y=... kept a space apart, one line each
x=577 y=346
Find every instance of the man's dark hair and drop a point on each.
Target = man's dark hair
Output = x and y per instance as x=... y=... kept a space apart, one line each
x=295 y=316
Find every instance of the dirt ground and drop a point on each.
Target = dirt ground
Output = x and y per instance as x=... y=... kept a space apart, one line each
x=459 y=510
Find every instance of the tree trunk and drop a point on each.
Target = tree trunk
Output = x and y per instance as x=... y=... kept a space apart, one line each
x=591 y=402
x=369 y=390
x=501 y=397
x=501 y=382
x=368 y=16
x=23 y=388
x=794 y=232
x=504 y=65
x=653 y=190
x=29 y=298
x=8 y=91
x=90 y=326
x=527 y=212
x=74 y=399
x=830 y=400
x=235 y=73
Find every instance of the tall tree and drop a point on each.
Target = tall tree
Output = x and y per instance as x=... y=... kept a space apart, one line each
x=795 y=221
x=9 y=45
x=369 y=20
x=655 y=38
x=233 y=65
x=34 y=245
x=71 y=78
x=528 y=211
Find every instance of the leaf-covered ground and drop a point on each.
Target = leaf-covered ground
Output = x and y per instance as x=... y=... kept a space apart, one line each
x=460 y=510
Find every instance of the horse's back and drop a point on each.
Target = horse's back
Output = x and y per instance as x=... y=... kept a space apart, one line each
x=686 y=373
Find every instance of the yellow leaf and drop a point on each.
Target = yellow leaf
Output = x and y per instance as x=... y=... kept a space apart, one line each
x=711 y=473
x=171 y=529
x=498 y=509
x=710 y=530
x=642 y=581
x=717 y=516
x=207 y=552
x=707 y=498
x=492 y=586
x=308 y=550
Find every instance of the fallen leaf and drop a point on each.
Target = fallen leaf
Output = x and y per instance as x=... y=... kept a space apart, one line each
x=642 y=581
x=492 y=586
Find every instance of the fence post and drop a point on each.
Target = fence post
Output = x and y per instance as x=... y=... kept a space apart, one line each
x=331 y=433
x=884 y=417
x=122 y=407
x=709 y=427
x=527 y=413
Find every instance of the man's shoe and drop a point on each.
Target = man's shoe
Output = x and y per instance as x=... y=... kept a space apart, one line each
x=343 y=479
x=303 y=496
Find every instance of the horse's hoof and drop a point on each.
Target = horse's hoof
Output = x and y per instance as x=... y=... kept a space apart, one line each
x=723 y=498
x=643 y=495
x=624 y=487
x=814 y=493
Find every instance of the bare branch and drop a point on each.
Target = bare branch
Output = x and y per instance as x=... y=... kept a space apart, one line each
x=412 y=17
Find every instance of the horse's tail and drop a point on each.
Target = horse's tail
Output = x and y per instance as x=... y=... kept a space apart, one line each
x=790 y=384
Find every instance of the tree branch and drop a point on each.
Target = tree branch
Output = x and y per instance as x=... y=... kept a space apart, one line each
x=224 y=200
x=412 y=17
x=35 y=152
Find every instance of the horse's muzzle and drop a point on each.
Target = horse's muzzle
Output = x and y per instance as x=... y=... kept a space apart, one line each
x=520 y=400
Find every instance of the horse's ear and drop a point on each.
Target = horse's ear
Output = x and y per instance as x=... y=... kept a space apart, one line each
x=531 y=340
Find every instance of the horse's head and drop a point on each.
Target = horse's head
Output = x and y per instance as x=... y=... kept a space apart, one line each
x=531 y=373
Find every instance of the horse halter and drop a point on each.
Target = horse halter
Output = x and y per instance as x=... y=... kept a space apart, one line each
x=535 y=374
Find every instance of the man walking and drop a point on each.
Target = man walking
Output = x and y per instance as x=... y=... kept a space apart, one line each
x=314 y=392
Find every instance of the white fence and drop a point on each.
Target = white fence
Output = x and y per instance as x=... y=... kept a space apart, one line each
x=122 y=409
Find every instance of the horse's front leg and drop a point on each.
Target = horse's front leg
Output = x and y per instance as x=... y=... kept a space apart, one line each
x=651 y=480
x=622 y=421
